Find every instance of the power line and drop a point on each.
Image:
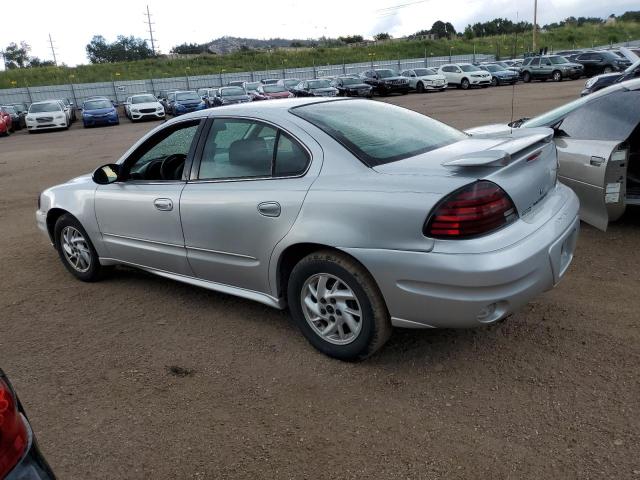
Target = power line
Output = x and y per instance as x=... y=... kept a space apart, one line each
x=149 y=23
x=53 y=51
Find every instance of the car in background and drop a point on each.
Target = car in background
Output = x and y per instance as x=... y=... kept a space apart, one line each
x=236 y=83
x=288 y=83
x=16 y=120
x=314 y=88
x=22 y=110
x=425 y=79
x=602 y=81
x=356 y=215
x=252 y=90
x=184 y=101
x=269 y=81
x=165 y=97
x=595 y=63
x=229 y=96
x=352 y=87
x=5 y=124
x=70 y=108
x=598 y=142
x=20 y=456
x=47 y=115
x=274 y=92
x=550 y=67
x=500 y=75
x=99 y=111
x=142 y=107
x=207 y=95
x=465 y=75
x=385 y=81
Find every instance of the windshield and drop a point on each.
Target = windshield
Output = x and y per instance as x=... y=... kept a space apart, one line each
x=495 y=68
x=350 y=81
x=291 y=82
x=558 y=60
x=182 y=96
x=45 y=107
x=97 y=104
x=143 y=99
x=274 y=89
x=319 y=84
x=252 y=85
x=20 y=106
x=386 y=73
x=9 y=109
x=376 y=132
x=552 y=117
x=470 y=68
x=232 y=92
x=423 y=72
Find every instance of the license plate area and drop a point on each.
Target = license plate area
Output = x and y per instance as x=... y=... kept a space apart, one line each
x=561 y=252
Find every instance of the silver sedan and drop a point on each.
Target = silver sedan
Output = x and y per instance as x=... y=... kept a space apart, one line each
x=357 y=215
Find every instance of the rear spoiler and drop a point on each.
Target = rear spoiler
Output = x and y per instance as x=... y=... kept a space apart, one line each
x=516 y=140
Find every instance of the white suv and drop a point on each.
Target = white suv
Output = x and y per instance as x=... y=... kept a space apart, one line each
x=464 y=75
x=139 y=107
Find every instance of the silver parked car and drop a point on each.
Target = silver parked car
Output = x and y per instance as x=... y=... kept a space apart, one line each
x=598 y=141
x=357 y=215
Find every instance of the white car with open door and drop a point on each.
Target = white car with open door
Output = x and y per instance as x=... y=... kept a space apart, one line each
x=598 y=142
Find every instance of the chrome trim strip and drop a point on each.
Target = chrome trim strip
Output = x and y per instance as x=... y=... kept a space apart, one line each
x=142 y=240
x=401 y=323
x=207 y=284
x=249 y=257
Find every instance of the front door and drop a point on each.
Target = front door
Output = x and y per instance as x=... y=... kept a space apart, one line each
x=139 y=216
x=245 y=194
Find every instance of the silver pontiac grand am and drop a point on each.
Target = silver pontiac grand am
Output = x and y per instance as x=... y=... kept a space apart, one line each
x=357 y=215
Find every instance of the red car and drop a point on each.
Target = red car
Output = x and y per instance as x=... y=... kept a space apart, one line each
x=271 y=92
x=6 y=125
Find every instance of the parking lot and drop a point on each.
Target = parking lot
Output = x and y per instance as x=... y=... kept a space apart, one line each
x=142 y=377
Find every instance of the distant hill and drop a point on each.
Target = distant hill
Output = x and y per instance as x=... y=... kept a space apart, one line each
x=224 y=45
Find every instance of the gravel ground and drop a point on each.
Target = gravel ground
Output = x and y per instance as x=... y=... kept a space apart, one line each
x=141 y=377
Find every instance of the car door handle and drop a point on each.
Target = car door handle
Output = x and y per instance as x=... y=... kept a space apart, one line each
x=596 y=161
x=163 y=204
x=269 y=209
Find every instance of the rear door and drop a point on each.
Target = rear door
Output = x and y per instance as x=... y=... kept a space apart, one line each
x=246 y=190
x=593 y=150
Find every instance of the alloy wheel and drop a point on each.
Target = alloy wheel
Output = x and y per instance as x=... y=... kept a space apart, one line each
x=331 y=308
x=76 y=249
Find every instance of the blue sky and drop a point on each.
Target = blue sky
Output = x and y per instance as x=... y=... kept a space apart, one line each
x=72 y=23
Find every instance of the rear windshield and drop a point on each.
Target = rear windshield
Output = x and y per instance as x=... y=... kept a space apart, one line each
x=376 y=132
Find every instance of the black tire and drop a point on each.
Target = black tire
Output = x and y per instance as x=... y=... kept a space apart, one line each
x=420 y=87
x=375 y=325
x=464 y=84
x=494 y=82
x=526 y=77
x=95 y=271
x=405 y=92
x=557 y=76
x=608 y=69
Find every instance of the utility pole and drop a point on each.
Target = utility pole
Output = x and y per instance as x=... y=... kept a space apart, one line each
x=535 y=25
x=149 y=23
x=53 y=51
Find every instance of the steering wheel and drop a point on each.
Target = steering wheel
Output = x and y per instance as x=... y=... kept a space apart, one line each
x=172 y=165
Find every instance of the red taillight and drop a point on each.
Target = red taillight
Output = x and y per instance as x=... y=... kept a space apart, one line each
x=476 y=209
x=14 y=437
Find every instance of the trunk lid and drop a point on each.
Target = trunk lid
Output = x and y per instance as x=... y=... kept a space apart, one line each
x=523 y=163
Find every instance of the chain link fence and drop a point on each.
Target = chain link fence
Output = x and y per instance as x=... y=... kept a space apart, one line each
x=118 y=91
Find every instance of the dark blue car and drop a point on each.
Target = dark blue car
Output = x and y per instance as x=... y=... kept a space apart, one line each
x=185 y=102
x=99 y=111
x=500 y=75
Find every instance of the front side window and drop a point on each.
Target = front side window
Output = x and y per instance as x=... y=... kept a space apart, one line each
x=376 y=132
x=163 y=156
x=245 y=149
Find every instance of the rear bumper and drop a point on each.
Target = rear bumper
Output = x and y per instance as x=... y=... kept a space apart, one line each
x=444 y=290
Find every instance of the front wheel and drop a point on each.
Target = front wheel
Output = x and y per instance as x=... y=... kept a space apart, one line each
x=337 y=305
x=420 y=87
x=464 y=84
x=76 y=250
x=608 y=69
x=526 y=77
x=557 y=76
x=494 y=82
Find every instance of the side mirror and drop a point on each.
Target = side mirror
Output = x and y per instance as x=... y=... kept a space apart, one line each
x=106 y=174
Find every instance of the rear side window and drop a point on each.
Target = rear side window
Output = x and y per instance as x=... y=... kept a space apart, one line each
x=526 y=62
x=376 y=132
x=291 y=158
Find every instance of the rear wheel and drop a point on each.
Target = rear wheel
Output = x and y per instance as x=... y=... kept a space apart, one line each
x=464 y=84
x=337 y=306
x=76 y=250
x=557 y=76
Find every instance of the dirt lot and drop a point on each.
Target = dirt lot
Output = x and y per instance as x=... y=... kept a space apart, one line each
x=141 y=377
